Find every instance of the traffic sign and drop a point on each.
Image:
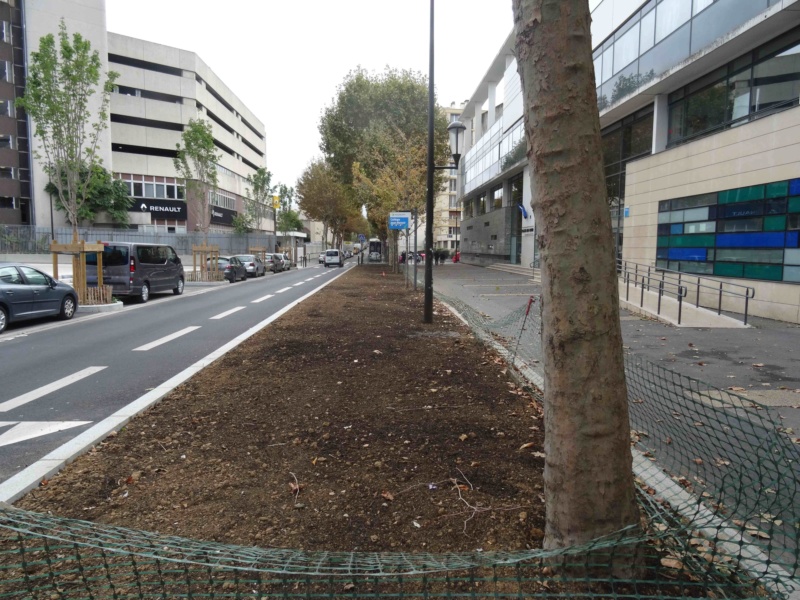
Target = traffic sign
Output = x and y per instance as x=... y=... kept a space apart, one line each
x=399 y=220
x=362 y=238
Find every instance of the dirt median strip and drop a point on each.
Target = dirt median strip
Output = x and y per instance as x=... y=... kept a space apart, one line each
x=347 y=424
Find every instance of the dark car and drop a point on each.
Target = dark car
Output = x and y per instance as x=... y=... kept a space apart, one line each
x=276 y=263
x=231 y=268
x=253 y=264
x=27 y=293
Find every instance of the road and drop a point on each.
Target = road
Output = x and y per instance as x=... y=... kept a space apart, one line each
x=61 y=378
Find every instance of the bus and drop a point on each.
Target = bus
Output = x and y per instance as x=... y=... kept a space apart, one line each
x=375 y=250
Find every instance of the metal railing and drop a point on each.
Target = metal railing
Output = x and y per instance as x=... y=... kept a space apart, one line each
x=669 y=282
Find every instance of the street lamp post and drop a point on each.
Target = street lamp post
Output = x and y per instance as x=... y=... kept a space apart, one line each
x=456 y=130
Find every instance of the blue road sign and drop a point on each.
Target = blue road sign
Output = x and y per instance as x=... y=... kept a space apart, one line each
x=399 y=220
x=362 y=238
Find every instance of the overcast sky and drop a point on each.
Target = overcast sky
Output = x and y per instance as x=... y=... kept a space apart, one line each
x=285 y=58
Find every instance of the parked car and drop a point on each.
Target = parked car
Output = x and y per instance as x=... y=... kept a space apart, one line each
x=374 y=256
x=322 y=258
x=269 y=263
x=255 y=267
x=333 y=258
x=138 y=270
x=278 y=263
x=287 y=262
x=27 y=293
x=231 y=268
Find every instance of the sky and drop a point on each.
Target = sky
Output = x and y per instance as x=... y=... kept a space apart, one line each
x=285 y=58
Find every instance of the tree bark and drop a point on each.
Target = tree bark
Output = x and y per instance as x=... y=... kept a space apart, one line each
x=589 y=487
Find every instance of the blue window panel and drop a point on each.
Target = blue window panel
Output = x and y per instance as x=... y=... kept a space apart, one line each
x=791 y=274
x=712 y=213
x=687 y=254
x=794 y=187
x=663 y=253
x=751 y=240
x=676 y=229
x=792 y=239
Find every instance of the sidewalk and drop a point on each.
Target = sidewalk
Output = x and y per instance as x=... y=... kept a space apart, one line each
x=760 y=362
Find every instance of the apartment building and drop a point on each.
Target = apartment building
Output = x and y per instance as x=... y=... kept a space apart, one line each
x=698 y=104
x=159 y=90
x=447 y=214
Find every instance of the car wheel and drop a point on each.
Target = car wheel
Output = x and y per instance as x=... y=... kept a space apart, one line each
x=145 y=293
x=67 y=308
x=3 y=319
x=178 y=290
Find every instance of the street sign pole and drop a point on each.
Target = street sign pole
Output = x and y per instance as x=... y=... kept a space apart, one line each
x=415 y=249
x=406 y=261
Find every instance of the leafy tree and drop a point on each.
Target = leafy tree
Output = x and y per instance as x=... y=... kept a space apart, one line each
x=196 y=163
x=589 y=489
x=257 y=202
x=323 y=197
x=103 y=194
x=62 y=78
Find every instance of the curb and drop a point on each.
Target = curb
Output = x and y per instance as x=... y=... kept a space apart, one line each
x=91 y=309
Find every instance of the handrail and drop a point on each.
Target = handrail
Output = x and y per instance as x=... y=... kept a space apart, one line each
x=627 y=269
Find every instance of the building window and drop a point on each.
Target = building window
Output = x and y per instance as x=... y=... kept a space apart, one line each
x=497 y=197
x=453 y=185
x=137 y=188
x=6 y=108
x=6 y=172
x=6 y=71
x=482 y=204
x=222 y=200
x=6 y=202
x=751 y=86
x=751 y=233
x=6 y=141
x=5 y=32
x=453 y=201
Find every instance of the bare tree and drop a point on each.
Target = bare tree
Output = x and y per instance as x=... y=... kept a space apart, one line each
x=197 y=162
x=589 y=487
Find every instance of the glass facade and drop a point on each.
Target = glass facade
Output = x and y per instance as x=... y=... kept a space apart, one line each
x=494 y=152
x=753 y=85
x=661 y=35
x=751 y=232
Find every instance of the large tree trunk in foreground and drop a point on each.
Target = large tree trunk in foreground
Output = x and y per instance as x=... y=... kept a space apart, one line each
x=588 y=475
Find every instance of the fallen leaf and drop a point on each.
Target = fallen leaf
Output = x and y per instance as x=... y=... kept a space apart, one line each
x=698 y=461
x=527 y=445
x=377 y=352
x=671 y=563
x=463 y=437
x=349 y=586
x=387 y=496
x=668 y=441
x=736 y=388
x=758 y=365
x=539 y=455
x=417 y=525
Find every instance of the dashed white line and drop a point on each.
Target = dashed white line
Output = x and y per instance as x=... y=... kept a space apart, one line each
x=296 y=284
x=286 y=289
x=166 y=339
x=267 y=297
x=310 y=279
x=48 y=389
x=226 y=313
x=28 y=430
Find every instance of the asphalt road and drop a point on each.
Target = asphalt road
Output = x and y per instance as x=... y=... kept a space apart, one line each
x=57 y=379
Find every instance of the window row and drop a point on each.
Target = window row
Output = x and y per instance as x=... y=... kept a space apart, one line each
x=754 y=85
x=168 y=191
x=221 y=200
x=660 y=36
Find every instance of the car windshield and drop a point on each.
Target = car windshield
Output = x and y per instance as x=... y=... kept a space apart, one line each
x=246 y=258
x=332 y=253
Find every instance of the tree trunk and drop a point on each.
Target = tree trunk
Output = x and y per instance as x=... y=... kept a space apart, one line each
x=589 y=487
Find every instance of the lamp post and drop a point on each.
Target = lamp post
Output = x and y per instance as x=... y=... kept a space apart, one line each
x=456 y=131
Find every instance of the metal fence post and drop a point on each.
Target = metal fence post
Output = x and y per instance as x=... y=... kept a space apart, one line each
x=719 y=306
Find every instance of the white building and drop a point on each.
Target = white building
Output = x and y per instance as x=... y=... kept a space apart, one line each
x=698 y=103
x=159 y=90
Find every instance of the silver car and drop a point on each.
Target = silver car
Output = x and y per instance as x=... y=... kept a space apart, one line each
x=27 y=293
x=253 y=264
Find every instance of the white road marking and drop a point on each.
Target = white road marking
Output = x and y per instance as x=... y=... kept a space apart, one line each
x=226 y=313
x=310 y=279
x=267 y=297
x=164 y=340
x=27 y=430
x=296 y=284
x=48 y=389
x=283 y=290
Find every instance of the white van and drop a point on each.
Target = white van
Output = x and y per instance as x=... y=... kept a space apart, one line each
x=333 y=258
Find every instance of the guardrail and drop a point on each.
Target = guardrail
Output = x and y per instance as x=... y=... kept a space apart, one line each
x=669 y=282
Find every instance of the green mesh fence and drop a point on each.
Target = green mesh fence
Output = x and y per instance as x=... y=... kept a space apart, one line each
x=717 y=485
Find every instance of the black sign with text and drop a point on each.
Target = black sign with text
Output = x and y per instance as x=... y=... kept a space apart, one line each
x=222 y=216
x=161 y=208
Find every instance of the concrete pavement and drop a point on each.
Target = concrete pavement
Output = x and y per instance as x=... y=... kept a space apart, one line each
x=761 y=362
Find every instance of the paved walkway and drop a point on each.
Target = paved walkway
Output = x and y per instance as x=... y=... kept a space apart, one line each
x=762 y=362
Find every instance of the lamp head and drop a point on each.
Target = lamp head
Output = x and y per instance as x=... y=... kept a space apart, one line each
x=456 y=131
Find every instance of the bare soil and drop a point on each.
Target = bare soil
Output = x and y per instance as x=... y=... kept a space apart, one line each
x=347 y=424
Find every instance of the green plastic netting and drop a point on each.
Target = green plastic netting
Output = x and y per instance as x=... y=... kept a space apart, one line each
x=717 y=485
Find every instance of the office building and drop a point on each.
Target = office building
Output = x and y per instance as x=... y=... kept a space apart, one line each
x=698 y=105
x=159 y=89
